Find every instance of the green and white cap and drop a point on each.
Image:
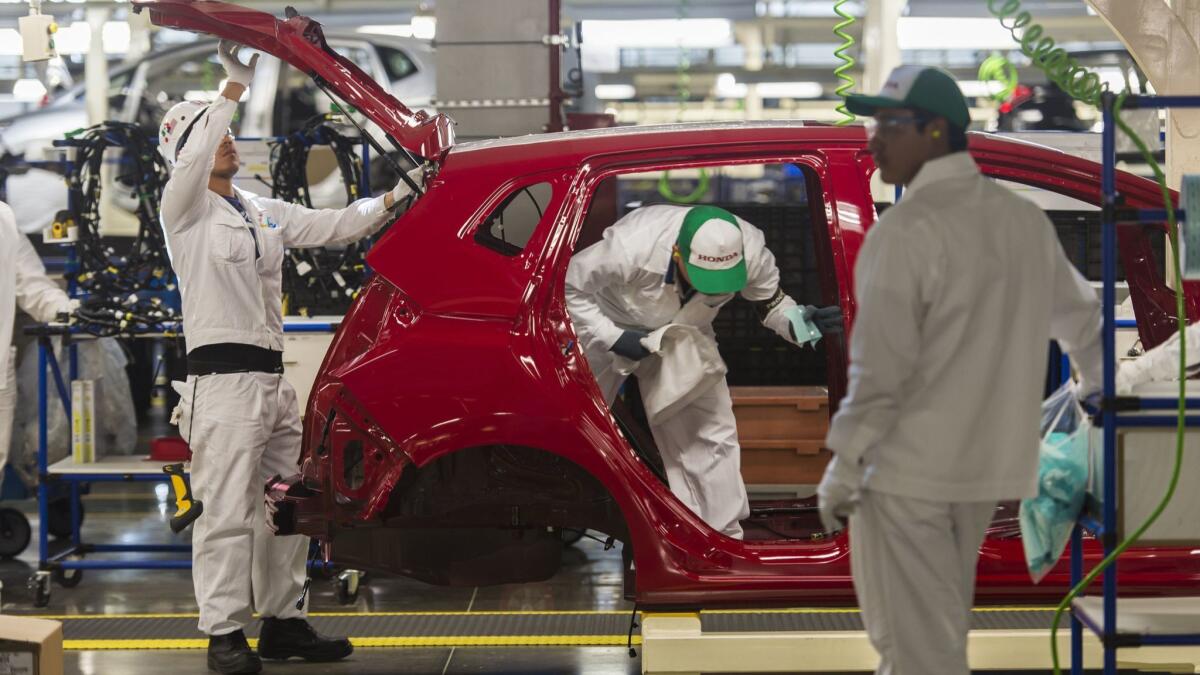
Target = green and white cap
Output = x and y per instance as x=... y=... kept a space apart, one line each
x=713 y=251
x=932 y=90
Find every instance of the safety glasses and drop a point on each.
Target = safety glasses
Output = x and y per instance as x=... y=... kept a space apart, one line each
x=888 y=126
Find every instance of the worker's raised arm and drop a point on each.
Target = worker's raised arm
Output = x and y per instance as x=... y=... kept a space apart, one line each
x=190 y=135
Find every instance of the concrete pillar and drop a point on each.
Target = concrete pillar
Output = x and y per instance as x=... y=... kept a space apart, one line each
x=880 y=52
x=750 y=37
x=1162 y=39
x=95 y=66
x=754 y=103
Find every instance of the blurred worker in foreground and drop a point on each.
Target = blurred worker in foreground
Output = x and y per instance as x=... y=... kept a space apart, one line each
x=665 y=264
x=236 y=411
x=960 y=287
x=24 y=284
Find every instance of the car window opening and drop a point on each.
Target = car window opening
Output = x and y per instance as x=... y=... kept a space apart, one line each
x=777 y=199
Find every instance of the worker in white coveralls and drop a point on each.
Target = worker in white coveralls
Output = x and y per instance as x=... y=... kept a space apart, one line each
x=960 y=287
x=236 y=410
x=667 y=264
x=24 y=284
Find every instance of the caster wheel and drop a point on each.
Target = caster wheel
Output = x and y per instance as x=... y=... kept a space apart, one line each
x=68 y=578
x=14 y=533
x=39 y=583
x=571 y=537
x=59 y=521
x=319 y=571
x=346 y=587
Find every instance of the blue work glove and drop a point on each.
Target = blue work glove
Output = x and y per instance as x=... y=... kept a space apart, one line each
x=630 y=345
x=828 y=319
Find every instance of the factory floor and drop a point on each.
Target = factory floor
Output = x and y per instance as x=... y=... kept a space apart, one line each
x=589 y=581
x=128 y=513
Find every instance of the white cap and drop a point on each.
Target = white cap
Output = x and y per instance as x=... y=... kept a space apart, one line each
x=711 y=241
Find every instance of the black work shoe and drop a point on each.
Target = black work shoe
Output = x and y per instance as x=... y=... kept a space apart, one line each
x=231 y=654
x=284 y=638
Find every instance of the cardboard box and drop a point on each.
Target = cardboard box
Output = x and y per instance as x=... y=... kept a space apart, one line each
x=30 y=646
x=781 y=431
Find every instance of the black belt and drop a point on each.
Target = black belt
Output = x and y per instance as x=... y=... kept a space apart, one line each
x=230 y=357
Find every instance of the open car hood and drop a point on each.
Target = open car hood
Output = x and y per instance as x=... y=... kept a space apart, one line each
x=300 y=41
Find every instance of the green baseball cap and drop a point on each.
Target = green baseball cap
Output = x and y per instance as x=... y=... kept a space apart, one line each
x=710 y=242
x=932 y=90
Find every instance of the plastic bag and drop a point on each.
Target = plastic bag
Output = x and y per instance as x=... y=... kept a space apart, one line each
x=1063 y=461
x=101 y=360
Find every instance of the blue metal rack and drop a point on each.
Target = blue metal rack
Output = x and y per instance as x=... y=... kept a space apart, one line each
x=60 y=565
x=1106 y=629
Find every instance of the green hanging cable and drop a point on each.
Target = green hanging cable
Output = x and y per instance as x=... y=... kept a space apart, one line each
x=683 y=82
x=843 y=54
x=1079 y=82
x=996 y=68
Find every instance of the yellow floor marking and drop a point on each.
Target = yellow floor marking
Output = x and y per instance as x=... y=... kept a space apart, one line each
x=439 y=641
x=582 y=612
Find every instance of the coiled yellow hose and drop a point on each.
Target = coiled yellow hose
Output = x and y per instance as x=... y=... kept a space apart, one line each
x=843 y=53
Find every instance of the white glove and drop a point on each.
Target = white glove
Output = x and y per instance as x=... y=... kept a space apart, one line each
x=67 y=315
x=402 y=188
x=839 y=492
x=238 y=73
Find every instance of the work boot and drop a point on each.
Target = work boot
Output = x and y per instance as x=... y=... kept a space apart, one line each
x=284 y=638
x=231 y=654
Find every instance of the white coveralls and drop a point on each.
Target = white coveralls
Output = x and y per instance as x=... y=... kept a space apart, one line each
x=242 y=427
x=23 y=282
x=627 y=280
x=960 y=287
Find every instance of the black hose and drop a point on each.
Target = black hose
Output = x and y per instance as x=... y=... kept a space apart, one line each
x=318 y=280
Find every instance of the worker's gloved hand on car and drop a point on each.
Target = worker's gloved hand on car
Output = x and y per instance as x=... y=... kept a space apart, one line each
x=238 y=72
x=828 y=319
x=808 y=323
x=839 y=492
x=403 y=189
x=630 y=345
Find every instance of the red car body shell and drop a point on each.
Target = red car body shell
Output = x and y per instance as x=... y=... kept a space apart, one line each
x=455 y=345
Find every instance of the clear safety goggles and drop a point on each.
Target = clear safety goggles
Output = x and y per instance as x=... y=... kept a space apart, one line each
x=889 y=126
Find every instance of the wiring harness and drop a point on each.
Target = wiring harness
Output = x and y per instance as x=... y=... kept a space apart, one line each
x=318 y=280
x=121 y=290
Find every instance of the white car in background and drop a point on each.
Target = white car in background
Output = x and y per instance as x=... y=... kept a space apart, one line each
x=280 y=100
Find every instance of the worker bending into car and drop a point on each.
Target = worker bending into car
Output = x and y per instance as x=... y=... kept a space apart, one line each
x=667 y=264
x=237 y=412
x=960 y=287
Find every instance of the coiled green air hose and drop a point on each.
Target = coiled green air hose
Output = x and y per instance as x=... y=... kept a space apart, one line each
x=843 y=53
x=996 y=68
x=1079 y=82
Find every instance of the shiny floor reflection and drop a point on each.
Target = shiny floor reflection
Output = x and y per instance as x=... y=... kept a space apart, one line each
x=590 y=578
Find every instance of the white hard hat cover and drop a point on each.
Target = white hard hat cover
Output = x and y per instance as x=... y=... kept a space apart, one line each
x=176 y=125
